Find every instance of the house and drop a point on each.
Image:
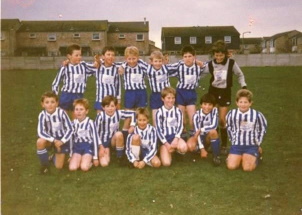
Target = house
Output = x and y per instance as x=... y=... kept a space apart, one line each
x=200 y=37
x=8 y=36
x=123 y=34
x=50 y=38
x=251 y=45
x=296 y=43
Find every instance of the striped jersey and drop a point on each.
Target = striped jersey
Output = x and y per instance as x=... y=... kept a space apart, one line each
x=188 y=77
x=85 y=132
x=74 y=78
x=106 y=125
x=148 y=143
x=205 y=123
x=246 y=128
x=54 y=126
x=158 y=79
x=168 y=122
x=134 y=77
x=108 y=82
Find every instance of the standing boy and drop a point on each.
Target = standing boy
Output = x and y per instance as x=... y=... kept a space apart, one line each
x=205 y=123
x=246 y=128
x=169 y=125
x=54 y=130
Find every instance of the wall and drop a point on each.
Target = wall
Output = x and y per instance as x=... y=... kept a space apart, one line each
x=9 y=63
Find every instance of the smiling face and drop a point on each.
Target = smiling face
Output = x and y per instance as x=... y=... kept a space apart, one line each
x=207 y=107
x=142 y=121
x=108 y=58
x=169 y=100
x=50 y=104
x=75 y=57
x=80 y=112
x=157 y=63
x=243 y=104
x=132 y=60
x=188 y=59
x=110 y=108
x=219 y=57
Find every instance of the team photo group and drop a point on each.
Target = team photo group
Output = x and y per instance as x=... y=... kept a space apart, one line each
x=151 y=129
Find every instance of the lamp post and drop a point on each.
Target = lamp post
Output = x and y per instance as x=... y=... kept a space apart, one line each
x=246 y=32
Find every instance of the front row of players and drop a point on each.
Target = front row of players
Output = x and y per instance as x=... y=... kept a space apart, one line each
x=89 y=142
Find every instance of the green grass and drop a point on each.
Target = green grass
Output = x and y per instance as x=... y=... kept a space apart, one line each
x=184 y=188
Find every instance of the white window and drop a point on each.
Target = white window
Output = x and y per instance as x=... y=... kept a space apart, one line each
x=32 y=36
x=96 y=36
x=177 y=40
x=52 y=37
x=139 y=37
x=227 y=39
x=208 y=40
x=76 y=35
x=271 y=44
x=193 y=40
x=122 y=36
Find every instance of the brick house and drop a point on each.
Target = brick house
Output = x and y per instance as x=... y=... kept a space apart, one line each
x=201 y=38
x=296 y=43
x=251 y=45
x=8 y=36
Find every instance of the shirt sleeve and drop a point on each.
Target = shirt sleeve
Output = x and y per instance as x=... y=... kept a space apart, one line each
x=237 y=71
x=41 y=129
x=56 y=81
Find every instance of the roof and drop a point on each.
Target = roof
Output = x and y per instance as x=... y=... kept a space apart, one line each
x=128 y=27
x=7 y=24
x=252 y=40
x=64 y=26
x=287 y=33
x=199 y=30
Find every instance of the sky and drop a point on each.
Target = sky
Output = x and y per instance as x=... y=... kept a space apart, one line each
x=260 y=17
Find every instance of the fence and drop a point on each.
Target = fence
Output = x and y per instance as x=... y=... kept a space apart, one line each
x=248 y=60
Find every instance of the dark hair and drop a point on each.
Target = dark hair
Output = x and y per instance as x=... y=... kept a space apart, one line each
x=188 y=49
x=108 y=48
x=142 y=111
x=49 y=94
x=219 y=46
x=71 y=48
x=108 y=99
x=208 y=98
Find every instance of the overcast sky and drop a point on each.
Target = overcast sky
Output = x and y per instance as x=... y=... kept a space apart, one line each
x=260 y=17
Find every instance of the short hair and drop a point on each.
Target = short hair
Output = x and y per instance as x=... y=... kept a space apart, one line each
x=188 y=49
x=142 y=111
x=208 y=98
x=219 y=46
x=108 y=48
x=166 y=91
x=83 y=102
x=156 y=55
x=244 y=93
x=108 y=99
x=49 y=94
x=71 y=48
x=131 y=50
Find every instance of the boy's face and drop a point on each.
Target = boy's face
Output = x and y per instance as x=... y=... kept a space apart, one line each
x=219 y=57
x=132 y=60
x=109 y=58
x=50 y=104
x=80 y=112
x=243 y=104
x=188 y=59
x=142 y=121
x=169 y=101
x=75 y=57
x=166 y=59
x=206 y=107
x=157 y=63
x=110 y=109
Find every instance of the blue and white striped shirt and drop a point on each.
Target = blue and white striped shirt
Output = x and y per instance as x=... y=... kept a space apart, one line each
x=74 y=78
x=54 y=126
x=205 y=123
x=246 y=128
x=168 y=122
x=108 y=82
x=148 y=143
x=106 y=125
x=134 y=77
x=188 y=77
x=158 y=79
x=85 y=132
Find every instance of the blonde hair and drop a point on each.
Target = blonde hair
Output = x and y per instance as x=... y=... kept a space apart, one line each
x=244 y=93
x=142 y=111
x=166 y=91
x=83 y=102
x=156 y=55
x=131 y=50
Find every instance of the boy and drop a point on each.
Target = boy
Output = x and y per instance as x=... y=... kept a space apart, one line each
x=205 y=123
x=246 y=128
x=84 y=143
x=74 y=76
x=188 y=72
x=141 y=147
x=169 y=125
x=222 y=69
x=54 y=130
x=108 y=81
x=107 y=125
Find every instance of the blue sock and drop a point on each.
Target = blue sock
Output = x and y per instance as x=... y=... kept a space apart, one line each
x=119 y=152
x=43 y=156
x=215 y=144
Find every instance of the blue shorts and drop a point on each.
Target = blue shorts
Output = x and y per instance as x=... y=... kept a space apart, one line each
x=135 y=98
x=65 y=148
x=156 y=101
x=83 y=148
x=67 y=99
x=186 y=97
x=170 y=138
x=240 y=150
x=98 y=106
x=107 y=144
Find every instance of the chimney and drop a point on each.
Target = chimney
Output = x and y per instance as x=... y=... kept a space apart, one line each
x=144 y=20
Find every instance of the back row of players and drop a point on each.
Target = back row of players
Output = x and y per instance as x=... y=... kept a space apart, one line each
x=88 y=140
